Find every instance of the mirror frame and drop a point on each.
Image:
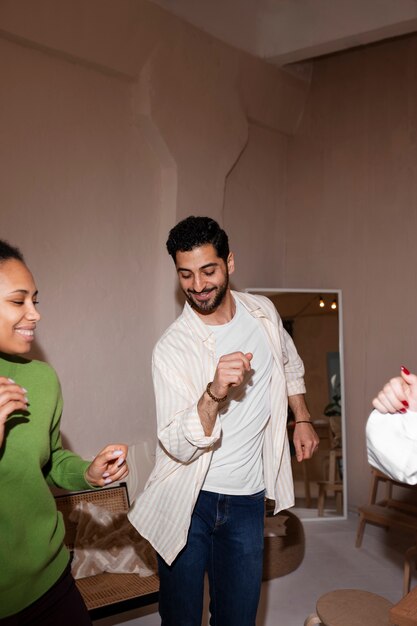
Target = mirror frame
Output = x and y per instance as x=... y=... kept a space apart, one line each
x=265 y=291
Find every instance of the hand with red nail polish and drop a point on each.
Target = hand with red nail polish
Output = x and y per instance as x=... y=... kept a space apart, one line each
x=398 y=395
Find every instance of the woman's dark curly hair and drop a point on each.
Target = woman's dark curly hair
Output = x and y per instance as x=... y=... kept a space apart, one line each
x=9 y=252
x=193 y=232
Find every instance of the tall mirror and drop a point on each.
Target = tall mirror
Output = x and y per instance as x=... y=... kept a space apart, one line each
x=314 y=321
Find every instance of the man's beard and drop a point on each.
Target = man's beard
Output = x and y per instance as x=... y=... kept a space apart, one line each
x=209 y=305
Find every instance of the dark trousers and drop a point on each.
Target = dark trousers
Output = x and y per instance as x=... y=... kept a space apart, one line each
x=226 y=540
x=62 y=605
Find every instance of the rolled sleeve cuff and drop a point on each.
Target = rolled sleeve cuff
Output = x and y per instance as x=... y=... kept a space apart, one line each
x=295 y=387
x=194 y=433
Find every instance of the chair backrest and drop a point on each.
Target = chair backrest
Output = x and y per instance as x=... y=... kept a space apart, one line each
x=389 y=500
x=114 y=499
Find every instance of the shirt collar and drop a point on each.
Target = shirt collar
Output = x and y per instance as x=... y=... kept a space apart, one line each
x=203 y=331
x=196 y=325
x=253 y=304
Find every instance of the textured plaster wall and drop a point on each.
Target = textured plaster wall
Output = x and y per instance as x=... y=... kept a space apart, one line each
x=116 y=120
x=70 y=196
x=254 y=209
x=352 y=218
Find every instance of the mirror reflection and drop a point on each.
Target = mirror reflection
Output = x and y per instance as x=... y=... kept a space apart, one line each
x=314 y=321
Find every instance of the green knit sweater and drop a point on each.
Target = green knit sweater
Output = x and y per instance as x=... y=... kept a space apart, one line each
x=32 y=554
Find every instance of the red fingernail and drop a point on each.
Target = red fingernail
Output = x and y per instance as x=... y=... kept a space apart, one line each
x=405 y=370
x=405 y=403
x=402 y=411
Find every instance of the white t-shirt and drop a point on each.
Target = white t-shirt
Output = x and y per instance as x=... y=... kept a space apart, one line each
x=391 y=441
x=236 y=465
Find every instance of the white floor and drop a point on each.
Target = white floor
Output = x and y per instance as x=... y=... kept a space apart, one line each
x=331 y=562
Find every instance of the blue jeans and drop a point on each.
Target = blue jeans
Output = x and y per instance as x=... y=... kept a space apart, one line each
x=226 y=540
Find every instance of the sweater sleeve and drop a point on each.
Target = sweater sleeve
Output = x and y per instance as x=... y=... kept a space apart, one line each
x=65 y=469
x=179 y=426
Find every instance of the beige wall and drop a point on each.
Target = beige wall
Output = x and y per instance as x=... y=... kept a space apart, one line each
x=117 y=119
x=70 y=193
x=352 y=190
x=254 y=209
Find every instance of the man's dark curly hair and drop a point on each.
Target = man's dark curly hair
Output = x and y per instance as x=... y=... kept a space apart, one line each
x=193 y=232
x=9 y=252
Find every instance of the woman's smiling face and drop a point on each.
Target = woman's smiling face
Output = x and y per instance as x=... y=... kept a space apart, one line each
x=18 y=314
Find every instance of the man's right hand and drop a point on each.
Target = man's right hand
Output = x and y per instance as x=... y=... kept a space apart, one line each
x=230 y=372
x=12 y=398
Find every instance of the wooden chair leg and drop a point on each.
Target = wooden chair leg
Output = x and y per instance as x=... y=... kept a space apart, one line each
x=320 y=500
x=410 y=556
x=360 y=531
x=306 y=477
x=332 y=467
x=373 y=489
x=311 y=620
x=339 y=502
x=406 y=577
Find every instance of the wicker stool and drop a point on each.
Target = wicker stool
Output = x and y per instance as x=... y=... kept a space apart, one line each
x=283 y=554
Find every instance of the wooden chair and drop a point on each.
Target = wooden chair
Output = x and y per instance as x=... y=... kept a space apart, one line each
x=107 y=594
x=404 y=613
x=388 y=512
x=306 y=468
x=333 y=484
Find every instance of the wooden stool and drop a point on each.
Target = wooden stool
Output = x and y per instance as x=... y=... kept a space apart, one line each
x=351 y=607
x=325 y=487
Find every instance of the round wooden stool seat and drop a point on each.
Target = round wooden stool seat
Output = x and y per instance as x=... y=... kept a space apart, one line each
x=353 y=607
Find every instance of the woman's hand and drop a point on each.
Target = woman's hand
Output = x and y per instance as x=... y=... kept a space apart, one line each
x=109 y=465
x=12 y=398
x=398 y=395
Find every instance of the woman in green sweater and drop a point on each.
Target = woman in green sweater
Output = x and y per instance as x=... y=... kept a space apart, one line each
x=36 y=586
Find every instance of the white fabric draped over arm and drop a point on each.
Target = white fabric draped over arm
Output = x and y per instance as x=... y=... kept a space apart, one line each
x=391 y=441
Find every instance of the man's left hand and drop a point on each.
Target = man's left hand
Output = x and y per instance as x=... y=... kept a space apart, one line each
x=306 y=441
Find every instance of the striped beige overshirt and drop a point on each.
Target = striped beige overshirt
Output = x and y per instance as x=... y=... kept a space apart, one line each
x=182 y=364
